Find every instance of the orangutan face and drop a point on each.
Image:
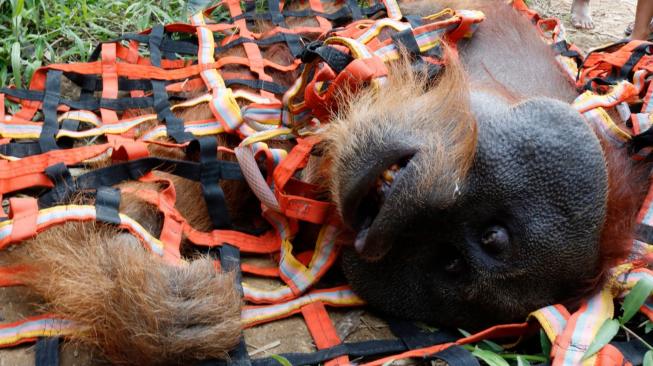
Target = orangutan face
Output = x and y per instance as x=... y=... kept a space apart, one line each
x=467 y=219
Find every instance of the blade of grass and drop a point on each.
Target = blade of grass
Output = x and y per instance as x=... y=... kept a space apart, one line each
x=16 y=66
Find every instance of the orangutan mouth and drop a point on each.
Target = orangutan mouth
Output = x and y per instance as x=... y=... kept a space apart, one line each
x=370 y=205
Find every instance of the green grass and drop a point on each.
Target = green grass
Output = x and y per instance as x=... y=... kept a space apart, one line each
x=37 y=32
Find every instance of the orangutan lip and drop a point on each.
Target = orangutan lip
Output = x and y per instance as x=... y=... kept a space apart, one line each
x=370 y=204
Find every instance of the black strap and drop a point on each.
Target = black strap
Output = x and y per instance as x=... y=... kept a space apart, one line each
x=414 y=20
x=641 y=141
x=258 y=84
x=375 y=348
x=47 y=352
x=414 y=337
x=210 y=176
x=132 y=170
x=355 y=9
x=70 y=125
x=51 y=98
x=637 y=54
x=455 y=356
x=64 y=186
x=108 y=176
x=644 y=233
x=230 y=262
x=21 y=149
x=93 y=83
x=407 y=40
x=275 y=13
x=336 y=59
x=174 y=124
x=562 y=48
x=107 y=205
x=168 y=45
x=633 y=350
x=117 y=104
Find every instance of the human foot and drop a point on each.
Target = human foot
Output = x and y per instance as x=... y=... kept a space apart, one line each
x=581 y=16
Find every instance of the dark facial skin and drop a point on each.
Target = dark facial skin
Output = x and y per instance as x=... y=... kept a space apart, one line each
x=522 y=233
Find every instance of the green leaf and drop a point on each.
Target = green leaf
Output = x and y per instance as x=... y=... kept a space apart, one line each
x=282 y=360
x=648 y=358
x=607 y=331
x=18 y=6
x=15 y=64
x=490 y=358
x=545 y=343
x=635 y=299
x=40 y=48
x=493 y=346
x=464 y=332
x=648 y=327
x=194 y=6
x=106 y=31
x=84 y=9
x=3 y=75
x=486 y=344
x=521 y=361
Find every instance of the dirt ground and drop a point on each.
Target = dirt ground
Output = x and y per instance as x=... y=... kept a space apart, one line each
x=610 y=17
x=610 y=20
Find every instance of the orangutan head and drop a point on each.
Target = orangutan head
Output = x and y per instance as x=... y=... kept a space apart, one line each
x=470 y=209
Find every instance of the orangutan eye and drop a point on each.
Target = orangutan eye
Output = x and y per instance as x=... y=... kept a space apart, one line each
x=495 y=239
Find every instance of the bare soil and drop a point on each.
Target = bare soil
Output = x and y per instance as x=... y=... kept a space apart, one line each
x=610 y=18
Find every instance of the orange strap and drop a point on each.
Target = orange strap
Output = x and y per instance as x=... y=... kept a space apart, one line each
x=11 y=275
x=22 y=173
x=259 y=270
x=129 y=150
x=359 y=71
x=109 y=81
x=521 y=6
x=298 y=205
x=609 y=355
x=24 y=212
x=322 y=330
x=175 y=224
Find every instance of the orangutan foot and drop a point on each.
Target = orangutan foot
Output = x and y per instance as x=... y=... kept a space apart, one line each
x=581 y=16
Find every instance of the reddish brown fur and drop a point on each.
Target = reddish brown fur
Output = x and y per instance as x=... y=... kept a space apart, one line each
x=628 y=184
x=131 y=306
x=444 y=115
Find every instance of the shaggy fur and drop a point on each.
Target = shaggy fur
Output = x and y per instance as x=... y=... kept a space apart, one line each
x=134 y=308
x=442 y=113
